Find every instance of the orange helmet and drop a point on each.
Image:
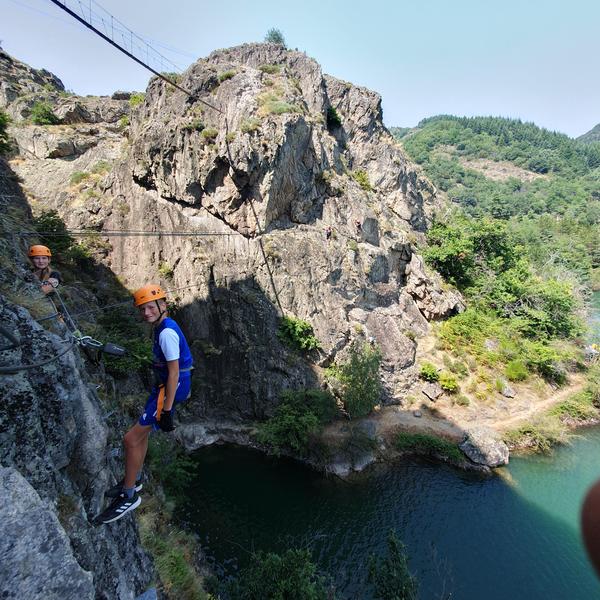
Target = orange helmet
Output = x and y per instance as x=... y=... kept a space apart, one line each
x=39 y=251
x=147 y=294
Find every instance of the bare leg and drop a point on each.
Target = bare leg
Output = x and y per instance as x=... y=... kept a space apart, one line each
x=136 y=446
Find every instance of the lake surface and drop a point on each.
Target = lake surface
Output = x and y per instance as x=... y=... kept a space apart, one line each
x=513 y=536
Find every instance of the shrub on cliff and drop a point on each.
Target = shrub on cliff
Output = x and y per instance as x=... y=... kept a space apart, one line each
x=42 y=114
x=297 y=334
x=359 y=379
x=4 y=144
x=429 y=372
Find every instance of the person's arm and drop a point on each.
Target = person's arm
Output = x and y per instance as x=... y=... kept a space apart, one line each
x=172 y=381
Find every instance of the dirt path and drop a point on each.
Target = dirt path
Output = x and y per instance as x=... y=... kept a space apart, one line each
x=446 y=420
x=577 y=384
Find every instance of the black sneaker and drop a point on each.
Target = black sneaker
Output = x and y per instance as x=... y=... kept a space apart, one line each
x=115 y=490
x=118 y=508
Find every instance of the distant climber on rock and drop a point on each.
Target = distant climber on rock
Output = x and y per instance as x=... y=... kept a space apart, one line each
x=172 y=365
x=40 y=257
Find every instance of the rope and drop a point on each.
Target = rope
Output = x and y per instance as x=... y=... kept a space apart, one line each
x=122 y=233
x=16 y=368
x=62 y=5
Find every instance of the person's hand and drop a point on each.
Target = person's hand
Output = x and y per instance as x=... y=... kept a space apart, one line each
x=166 y=421
x=47 y=287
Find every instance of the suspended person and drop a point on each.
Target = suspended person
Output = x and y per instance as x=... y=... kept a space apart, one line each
x=172 y=365
x=40 y=257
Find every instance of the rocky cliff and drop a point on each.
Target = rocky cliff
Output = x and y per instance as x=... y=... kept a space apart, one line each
x=55 y=447
x=282 y=153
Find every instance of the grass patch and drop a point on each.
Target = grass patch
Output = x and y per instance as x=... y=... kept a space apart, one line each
x=539 y=436
x=429 y=445
x=362 y=178
x=250 y=125
x=270 y=69
x=210 y=134
x=136 y=99
x=448 y=383
x=78 y=176
x=579 y=407
x=102 y=166
x=227 y=75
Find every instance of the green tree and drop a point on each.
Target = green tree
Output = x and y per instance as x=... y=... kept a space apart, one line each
x=274 y=36
x=360 y=379
x=390 y=576
x=4 y=143
x=42 y=114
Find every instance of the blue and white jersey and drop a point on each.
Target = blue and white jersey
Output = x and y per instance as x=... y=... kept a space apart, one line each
x=170 y=344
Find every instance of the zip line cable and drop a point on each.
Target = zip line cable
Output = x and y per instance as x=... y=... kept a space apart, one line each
x=87 y=21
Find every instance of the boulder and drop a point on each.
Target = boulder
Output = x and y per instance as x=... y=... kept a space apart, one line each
x=484 y=447
x=432 y=390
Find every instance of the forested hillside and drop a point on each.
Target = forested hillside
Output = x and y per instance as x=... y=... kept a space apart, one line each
x=543 y=185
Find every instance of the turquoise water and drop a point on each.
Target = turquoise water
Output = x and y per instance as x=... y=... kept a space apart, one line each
x=514 y=536
x=477 y=537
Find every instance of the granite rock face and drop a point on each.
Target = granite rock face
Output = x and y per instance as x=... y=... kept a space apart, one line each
x=31 y=537
x=54 y=449
x=293 y=211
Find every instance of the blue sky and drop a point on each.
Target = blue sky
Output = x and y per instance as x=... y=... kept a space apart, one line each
x=536 y=60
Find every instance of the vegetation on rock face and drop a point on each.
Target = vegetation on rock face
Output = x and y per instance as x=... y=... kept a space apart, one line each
x=422 y=443
x=333 y=118
x=4 y=143
x=136 y=99
x=42 y=114
x=297 y=334
x=362 y=178
x=429 y=372
x=359 y=379
x=227 y=75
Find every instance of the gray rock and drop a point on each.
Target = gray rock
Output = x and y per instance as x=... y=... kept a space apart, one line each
x=484 y=446
x=491 y=344
x=507 y=391
x=268 y=192
x=151 y=594
x=432 y=390
x=37 y=560
x=417 y=413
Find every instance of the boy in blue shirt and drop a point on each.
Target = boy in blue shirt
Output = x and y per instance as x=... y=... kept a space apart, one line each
x=173 y=364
